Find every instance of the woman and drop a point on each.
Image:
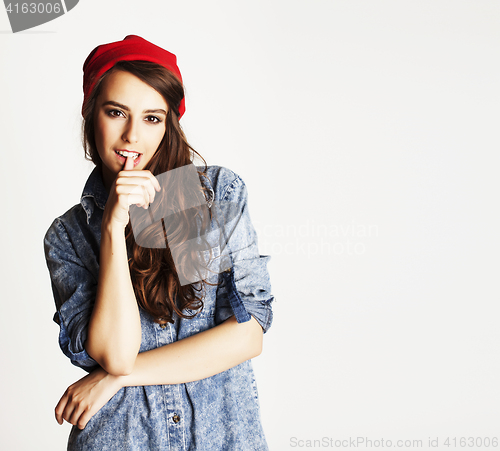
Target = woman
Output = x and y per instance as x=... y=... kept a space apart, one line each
x=168 y=360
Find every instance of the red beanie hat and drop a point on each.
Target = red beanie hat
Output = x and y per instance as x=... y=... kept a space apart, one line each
x=132 y=48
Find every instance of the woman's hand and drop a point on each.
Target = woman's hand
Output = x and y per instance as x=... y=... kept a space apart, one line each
x=82 y=400
x=129 y=188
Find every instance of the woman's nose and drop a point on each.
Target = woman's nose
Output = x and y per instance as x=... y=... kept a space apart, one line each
x=130 y=134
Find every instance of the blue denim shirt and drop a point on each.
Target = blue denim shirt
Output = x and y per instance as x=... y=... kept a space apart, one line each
x=216 y=413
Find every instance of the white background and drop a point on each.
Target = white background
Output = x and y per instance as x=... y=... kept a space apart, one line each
x=367 y=133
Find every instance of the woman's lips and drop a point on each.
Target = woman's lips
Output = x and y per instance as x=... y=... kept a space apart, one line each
x=122 y=159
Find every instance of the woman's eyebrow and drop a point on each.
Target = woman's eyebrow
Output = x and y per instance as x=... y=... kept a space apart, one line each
x=126 y=108
x=159 y=110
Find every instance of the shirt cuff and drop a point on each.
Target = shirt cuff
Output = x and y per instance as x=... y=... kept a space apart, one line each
x=75 y=351
x=242 y=303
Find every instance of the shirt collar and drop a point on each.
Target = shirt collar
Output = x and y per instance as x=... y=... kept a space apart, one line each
x=94 y=193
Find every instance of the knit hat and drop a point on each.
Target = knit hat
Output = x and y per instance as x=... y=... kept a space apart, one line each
x=132 y=48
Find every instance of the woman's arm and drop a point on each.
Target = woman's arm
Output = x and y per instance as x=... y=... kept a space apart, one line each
x=193 y=358
x=198 y=356
x=114 y=331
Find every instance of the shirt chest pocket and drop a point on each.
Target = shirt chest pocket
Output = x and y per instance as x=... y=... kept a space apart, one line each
x=211 y=264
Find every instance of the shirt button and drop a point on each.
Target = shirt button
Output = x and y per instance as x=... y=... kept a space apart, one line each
x=176 y=418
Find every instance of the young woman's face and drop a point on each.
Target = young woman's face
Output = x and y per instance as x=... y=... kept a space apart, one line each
x=129 y=119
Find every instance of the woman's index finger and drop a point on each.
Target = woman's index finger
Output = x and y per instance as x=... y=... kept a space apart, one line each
x=129 y=164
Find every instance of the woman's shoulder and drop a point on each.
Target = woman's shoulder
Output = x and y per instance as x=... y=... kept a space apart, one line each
x=223 y=181
x=66 y=223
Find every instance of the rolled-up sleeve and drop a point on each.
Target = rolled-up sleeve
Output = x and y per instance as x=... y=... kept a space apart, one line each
x=246 y=287
x=74 y=289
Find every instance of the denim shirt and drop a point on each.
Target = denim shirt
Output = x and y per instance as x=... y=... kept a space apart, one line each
x=216 y=413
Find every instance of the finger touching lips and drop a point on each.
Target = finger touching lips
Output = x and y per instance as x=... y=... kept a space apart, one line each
x=129 y=164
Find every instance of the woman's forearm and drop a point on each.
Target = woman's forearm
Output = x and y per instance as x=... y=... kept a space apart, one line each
x=114 y=332
x=198 y=356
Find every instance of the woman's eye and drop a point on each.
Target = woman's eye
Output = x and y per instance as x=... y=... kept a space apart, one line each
x=153 y=119
x=115 y=113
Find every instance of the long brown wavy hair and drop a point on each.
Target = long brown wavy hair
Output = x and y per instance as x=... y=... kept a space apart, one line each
x=154 y=275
